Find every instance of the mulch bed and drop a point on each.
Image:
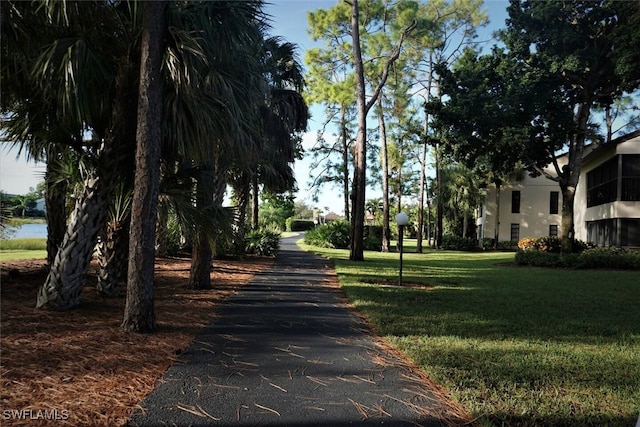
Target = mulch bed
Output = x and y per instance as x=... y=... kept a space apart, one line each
x=77 y=367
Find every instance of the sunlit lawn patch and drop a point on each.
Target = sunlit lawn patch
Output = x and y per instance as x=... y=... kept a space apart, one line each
x=519 y=346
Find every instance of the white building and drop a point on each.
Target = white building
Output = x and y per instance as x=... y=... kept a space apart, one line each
x=606 y=206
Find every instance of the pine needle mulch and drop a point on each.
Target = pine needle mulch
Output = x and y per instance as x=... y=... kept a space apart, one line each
x=77 y=367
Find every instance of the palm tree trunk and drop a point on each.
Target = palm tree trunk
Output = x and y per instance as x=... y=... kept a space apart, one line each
x=242 y=195
x=254 y=202
x=139 y=315
x=61 y=290
x=200 y=276
x=113 y=258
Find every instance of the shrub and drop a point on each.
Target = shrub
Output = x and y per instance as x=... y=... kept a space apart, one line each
x=176 y=240
x=487 y=243
x=617 y=258
x=372 y=238
x=614 y=258
x=335 y=234
x=264 y=241
x=551 y=244
x=457 y=243
x=299 y=224
x=534 y=258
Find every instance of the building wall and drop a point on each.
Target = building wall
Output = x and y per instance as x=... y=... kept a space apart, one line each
x=535 y=218
x=609 y=211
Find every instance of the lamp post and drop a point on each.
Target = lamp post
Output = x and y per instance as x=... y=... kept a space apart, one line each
x=401 y=219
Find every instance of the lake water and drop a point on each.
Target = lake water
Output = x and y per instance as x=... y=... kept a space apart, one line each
x=28 y=231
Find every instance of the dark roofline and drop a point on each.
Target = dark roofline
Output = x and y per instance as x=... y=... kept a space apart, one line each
x=612 y=143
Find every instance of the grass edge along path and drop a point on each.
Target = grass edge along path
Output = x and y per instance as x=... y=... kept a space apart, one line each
x=516 y=346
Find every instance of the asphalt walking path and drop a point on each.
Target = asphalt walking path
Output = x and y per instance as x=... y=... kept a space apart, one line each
x=288 y=350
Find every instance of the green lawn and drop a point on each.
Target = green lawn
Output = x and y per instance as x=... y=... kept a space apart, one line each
x=16 y=249
x=516 y=346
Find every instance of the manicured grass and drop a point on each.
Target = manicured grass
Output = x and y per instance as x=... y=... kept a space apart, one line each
x=517 y=346
x=15 y=249
x=13 y=255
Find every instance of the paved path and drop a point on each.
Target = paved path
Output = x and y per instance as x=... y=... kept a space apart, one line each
x=287 y=350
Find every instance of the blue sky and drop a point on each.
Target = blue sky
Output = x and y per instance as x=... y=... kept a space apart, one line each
x=289 y=20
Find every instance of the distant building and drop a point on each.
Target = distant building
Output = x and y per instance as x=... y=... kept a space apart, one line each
x=606 y=205
x=331 y=216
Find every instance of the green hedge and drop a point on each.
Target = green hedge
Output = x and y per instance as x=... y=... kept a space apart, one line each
x=456 y=243
x=597 y=258
x=551 y=244
x=300 y=224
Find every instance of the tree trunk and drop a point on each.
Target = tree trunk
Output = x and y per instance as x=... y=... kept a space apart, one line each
x=242 y=188
x=496 y=232
x=139 y=315
x=219 y=189
x=356 y=250
x=386 y=230
x=201 y=254
x=113 y=257
x=61 y=290
x=439 y=210
x=567 y=235
x=570 y=175
x=423 y=161
x=428 y=222
x=345 y=162
x=421 y=194
x=465 y=222
x=254 y=202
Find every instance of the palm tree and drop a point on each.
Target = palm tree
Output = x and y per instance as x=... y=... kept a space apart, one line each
x=282 y=114
x=75 y=66
x=112 y=250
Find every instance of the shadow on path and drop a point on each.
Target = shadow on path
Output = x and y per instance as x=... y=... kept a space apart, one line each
x=287 y=350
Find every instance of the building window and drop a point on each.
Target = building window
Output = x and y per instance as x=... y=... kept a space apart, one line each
x=602 y=183
x=553 y=230
x=630 y=233
x=515 y=201
x=630 y=177
x=602 y=232
x=554 y=197
x=515 y=232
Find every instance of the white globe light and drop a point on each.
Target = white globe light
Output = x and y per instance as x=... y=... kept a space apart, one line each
x=402 y=219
